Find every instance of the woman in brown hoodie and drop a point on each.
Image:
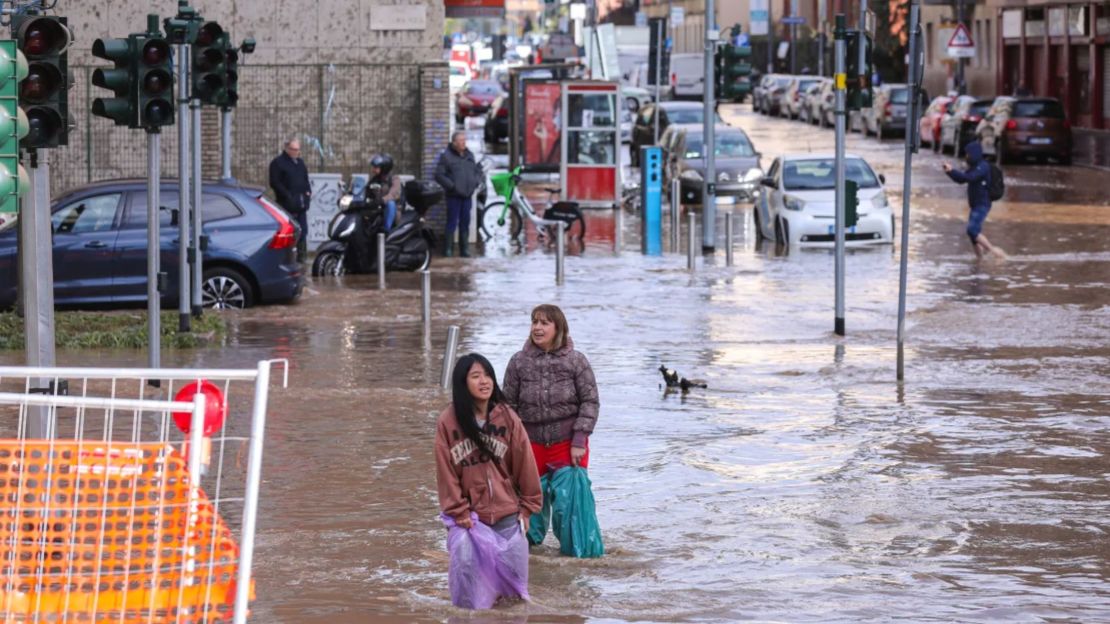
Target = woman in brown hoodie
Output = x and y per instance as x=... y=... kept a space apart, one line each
x=484 y=463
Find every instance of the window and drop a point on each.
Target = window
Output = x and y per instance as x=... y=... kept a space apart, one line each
x=728 y=145
x=820 y=174
x=91 y=214
x=214 y=207
x=1038 y=108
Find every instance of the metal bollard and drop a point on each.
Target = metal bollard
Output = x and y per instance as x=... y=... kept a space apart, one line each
x=560 y=252
x=691 y=241
x=426 y=296
x=728 y=238
x=449 y=352
x=676 y=207
x=618 y=228
x=381 y=260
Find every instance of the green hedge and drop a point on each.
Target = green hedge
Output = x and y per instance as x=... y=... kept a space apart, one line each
x=114 y=330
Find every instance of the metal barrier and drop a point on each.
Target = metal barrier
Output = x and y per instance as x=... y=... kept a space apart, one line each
x=118 y=516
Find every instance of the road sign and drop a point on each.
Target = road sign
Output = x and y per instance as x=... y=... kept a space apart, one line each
x=678 y=15
x=758 y=17
x=794 y=19
x=641 y=19
x=961 y=44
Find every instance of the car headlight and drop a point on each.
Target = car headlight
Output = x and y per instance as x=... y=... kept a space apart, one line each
x=794 y=203
x=753 y=176
x=691 y=175
x=879 y=201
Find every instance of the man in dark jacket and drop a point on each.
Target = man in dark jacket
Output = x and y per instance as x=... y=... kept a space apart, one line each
x=977 y=177
x=289 y=179
x=459 y=175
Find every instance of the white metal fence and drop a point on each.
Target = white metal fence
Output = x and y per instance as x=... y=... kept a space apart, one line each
x=110 y=513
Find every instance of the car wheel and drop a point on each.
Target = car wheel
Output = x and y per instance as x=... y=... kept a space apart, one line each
x=758 y=227
x=785 y=232
x=1066 y=160
x=328 y=263
x=778 y=232
x=225 y=289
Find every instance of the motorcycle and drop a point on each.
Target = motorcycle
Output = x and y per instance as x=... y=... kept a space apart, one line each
x=353 y=232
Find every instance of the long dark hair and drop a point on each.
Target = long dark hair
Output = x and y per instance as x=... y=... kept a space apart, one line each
x=464 y=403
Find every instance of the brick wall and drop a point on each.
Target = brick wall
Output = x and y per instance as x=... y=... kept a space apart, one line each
x=435 y=121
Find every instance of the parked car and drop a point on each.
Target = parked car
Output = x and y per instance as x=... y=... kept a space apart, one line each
x=736 y=162
x=811 y=101
x=643 y=130
x=475 y=97
x=773 y=92
x=497 y=120
x=888 y=110
x=796 y=204
x=100 y=247
x=825 y=103
x=687 y=75
x=759 y=90
x=794 y=98
x=929 y=124
x=635 y=97
x=1018 y=128
x=459 y=74
x=957 y=127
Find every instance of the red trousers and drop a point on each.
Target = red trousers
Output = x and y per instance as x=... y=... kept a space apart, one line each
x=556 y=456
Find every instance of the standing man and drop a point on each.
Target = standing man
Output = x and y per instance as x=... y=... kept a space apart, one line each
x=459 y=175
x=977 y=177
x=289 y=179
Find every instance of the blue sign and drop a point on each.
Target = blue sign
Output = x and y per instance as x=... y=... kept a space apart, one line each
x=794 y=19
x=667 y=43
x=651 y=200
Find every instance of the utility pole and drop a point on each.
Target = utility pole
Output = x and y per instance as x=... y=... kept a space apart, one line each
x=184 y=55
x=658 y=77
x=916 y=67
x=961 y=85
x=841 y=116
x=709 y=184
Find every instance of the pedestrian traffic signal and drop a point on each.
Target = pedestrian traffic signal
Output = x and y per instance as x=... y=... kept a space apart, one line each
x=44 y=94
x=155 y=81
x=851 y=203
x=733 y=68
x=859 y=78
x=210 y=64
x=123 y=108
x=13 y=126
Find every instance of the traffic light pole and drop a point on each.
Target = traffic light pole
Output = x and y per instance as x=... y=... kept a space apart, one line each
x=36 y=234
x=153 y=246
x=911 y=146
x=841 y=52
x=198 y=271
x=709 y=184
x=658 y=79
x=183 y=165
x=225 y=145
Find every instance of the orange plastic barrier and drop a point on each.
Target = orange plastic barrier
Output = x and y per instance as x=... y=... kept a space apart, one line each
x=91 y=532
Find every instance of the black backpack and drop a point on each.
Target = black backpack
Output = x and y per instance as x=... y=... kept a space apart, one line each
x=997 y=186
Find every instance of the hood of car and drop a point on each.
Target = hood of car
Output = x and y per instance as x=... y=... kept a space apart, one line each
x=735 y=168
x=822 y=203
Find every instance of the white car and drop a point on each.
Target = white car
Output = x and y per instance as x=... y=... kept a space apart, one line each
x=460 y=75
x=796 y=205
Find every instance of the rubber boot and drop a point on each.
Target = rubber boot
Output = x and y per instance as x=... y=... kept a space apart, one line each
x=464 y=251
x=449 y=248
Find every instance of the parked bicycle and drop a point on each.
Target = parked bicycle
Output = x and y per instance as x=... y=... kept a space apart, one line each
x=504 y=209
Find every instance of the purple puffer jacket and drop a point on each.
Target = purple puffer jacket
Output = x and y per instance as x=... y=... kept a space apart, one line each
x=554 y=393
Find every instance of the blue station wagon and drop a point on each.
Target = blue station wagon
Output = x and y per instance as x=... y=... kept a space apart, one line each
x=100 y=247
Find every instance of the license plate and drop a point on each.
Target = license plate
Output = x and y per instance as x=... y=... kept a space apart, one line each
x=1040 y=141
x=851 y=230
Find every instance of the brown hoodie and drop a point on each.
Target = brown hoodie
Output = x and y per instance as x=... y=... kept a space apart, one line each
x=469 y=480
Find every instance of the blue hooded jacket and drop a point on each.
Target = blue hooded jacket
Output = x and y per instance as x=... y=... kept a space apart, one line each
x=977 y=176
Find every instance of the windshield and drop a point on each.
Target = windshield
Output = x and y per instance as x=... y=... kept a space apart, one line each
x=980 y=108
x=693 y=116
x=820 y=174
x=1042 y=108
x=899 y=96
x=782 y=82
x=804 y=85
x=729 y=145
x=484 y=88
x=456 y=70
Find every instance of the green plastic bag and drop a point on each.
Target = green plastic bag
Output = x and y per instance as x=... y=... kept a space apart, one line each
x=537 y=525
x=573 y=514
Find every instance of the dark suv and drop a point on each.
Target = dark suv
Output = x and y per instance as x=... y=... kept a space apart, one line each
x=100 y=247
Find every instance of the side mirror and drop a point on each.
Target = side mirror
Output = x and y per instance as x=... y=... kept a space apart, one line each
x=767 y=181
x=175 y=215
x=882 y=179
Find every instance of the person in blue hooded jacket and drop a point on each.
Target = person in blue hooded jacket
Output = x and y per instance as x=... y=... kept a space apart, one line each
x=977 y=177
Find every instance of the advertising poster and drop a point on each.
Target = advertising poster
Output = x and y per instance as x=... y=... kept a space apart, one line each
x=542 y=123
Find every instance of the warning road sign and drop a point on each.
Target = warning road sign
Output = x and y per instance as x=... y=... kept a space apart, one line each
x=960 y=44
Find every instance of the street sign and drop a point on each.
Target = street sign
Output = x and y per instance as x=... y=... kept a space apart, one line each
x=794 y=19
x=961 y=45
x=758 y=17
x=641 y=19
x=678 y=15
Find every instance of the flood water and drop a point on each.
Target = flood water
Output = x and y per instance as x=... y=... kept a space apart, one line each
x=803 y=485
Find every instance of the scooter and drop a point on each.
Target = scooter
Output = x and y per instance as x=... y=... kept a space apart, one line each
x=353 y=232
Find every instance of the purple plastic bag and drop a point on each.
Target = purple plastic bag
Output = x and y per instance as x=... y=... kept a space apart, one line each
x=485 y=565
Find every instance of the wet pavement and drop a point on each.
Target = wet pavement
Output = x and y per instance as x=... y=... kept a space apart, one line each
x=803 y=485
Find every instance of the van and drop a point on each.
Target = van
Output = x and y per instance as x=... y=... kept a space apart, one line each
x=688 y=75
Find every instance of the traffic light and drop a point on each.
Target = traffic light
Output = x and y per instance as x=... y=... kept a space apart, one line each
x=13 y=126
x=733 y=65
x=123 y=108
x=851 y=203
x=44 y=41
x=859 y=78
x=230 y=96
x=154 y=80
x=210 y=64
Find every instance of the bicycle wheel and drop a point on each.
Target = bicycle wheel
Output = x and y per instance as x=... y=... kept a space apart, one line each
x=496 y=222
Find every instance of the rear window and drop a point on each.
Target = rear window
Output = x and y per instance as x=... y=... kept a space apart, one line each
x=485 y=88
x=1044 y=108
x=458 y=71
x=214 y=207
x=899 y=96
x=980 y=108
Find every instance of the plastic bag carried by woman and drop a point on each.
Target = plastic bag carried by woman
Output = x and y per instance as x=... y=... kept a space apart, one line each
x=487 y=563
x=569 y=503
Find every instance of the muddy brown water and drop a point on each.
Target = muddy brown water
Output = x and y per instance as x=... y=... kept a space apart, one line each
x=803 y=485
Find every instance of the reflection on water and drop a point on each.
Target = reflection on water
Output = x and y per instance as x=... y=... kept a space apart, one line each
x=801 y=485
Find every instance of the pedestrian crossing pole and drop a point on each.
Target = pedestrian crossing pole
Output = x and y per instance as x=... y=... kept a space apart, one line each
x=841 y=49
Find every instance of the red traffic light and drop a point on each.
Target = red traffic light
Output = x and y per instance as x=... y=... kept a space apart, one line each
x=215 y=406
x=209 y=33
x=156 y=52
x=43 y=36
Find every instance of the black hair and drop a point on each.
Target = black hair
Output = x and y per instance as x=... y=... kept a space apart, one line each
x=464 y=403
